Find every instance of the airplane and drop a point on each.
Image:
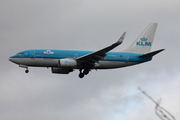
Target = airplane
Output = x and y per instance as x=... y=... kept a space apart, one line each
x=66 y=61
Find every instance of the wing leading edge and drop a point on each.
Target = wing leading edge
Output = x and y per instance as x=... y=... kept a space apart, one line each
x=91 y=58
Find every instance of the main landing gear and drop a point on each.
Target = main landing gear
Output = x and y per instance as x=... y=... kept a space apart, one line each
x=81 y=75
x=85 y=72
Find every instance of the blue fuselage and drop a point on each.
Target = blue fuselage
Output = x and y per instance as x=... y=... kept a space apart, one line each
x=50 y=57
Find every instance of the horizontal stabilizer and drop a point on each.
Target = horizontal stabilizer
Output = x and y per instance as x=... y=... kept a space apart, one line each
x=151 y=54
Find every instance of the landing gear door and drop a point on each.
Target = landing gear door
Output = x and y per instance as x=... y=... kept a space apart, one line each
x=32 y=54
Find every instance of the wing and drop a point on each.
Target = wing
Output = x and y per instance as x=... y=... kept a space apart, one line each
x=91 y=58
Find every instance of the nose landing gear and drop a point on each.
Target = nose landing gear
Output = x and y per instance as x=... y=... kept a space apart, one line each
x=26 y=71
x=24 y=66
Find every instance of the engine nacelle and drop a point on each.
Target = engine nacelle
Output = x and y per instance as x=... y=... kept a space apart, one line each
x=67 y=63
x=60 y=70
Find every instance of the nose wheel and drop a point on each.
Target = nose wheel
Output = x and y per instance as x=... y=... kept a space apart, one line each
x=26 y=71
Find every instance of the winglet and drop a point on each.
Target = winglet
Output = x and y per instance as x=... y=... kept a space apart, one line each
x=121 y=38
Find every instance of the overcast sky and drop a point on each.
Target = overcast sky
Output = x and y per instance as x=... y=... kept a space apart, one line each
x=88 y=25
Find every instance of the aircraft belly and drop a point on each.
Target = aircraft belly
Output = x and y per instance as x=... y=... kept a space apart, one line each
x=114 y=64
x=39 y=62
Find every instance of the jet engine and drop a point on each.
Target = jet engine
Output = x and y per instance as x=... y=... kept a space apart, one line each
x=67 y=63
x=60 y=70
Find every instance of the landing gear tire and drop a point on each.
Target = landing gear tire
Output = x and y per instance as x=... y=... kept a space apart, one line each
x=81 y=75
x=86 y=71
x=26 y=71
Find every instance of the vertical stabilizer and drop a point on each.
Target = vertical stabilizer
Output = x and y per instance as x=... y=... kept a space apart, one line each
x=144 y=42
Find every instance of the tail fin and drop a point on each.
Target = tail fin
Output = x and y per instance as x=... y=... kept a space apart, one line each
x=144 y=42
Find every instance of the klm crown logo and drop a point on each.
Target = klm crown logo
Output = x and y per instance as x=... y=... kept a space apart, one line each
x=66 y=62
x=143 y=39
x=143 y=42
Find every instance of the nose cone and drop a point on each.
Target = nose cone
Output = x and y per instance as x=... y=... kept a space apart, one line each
x=11 y=59
x=14 y=60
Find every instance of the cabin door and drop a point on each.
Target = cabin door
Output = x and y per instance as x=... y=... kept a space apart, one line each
x=126 y=57
x=32 y=54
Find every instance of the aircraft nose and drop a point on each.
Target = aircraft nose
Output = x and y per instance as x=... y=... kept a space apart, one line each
x=11 y=59
x=14 y=60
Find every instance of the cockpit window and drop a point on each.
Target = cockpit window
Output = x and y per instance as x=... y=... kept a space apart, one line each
x=20 y=53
